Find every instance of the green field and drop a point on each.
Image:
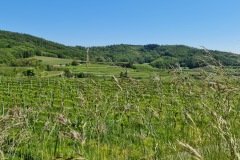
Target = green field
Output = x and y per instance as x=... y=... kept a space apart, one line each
x=142 y=71
x=150 y=114
x=52 y=60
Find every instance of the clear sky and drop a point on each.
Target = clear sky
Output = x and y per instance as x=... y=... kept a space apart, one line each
x=214 y=24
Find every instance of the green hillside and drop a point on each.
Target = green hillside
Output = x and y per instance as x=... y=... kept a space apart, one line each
x=164 y=56
x=16 y=45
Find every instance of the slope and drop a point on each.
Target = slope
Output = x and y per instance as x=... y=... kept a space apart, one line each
x=16 y=45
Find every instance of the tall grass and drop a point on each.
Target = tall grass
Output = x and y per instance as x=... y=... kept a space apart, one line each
x=188 y=117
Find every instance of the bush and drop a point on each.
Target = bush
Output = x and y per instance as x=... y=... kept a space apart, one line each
x=126 y=65
x=29 y=72
x=84 y=75
x=74 y=63
x=68 y=73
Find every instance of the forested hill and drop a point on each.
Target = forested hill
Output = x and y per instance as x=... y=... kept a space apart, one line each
x=16 y=45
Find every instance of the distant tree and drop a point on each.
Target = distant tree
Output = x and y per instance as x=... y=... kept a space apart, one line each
x=29 y=72
x=38 y=52
x=81 y=75
x=151 y=46
x=100 y=59
x=164 y=62
x=27 y=53
x=84 y=75
x=27 y=63
x=130 y=65
x=49 y=67
x=126 y=65
x=74 y=63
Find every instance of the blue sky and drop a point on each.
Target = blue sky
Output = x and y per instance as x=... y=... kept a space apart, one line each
x=214 y=24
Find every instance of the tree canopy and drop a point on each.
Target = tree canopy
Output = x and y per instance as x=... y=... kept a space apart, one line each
x=15 y=46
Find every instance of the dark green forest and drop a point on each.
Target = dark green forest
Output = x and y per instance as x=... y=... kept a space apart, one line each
x=14 y=46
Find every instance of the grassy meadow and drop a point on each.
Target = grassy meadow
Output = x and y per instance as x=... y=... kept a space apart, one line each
x=151 y=114
x=52 y=60
x=142 y=71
